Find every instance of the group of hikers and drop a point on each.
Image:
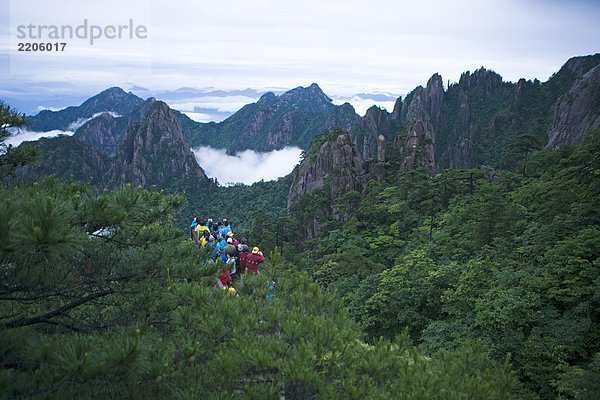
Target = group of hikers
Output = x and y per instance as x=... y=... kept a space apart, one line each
x=235 y=255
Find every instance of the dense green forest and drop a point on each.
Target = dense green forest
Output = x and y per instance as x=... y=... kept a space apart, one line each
x=508 y=259
x=132 y=313
x=466 y=285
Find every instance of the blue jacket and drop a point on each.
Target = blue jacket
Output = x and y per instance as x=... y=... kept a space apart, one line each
x=220 y=246
x=224 y=230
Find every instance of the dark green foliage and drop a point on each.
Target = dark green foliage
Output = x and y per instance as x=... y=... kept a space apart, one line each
x=66 y=157
x=131 y=312
x=241 y=203
x=507 y=259
x=10 y=157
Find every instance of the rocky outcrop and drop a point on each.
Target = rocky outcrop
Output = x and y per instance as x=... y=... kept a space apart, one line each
x=473 y=122
x=577 y=110
x=420 y=116
x=103 y=132
x=376 y=122
x=380 y=150
x=333 y=168
x=154 y=152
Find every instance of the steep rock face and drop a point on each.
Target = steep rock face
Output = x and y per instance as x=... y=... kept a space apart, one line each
x=380 y=149
x=376 y=122
x=333 y=166
x=154 y=152
x=103 y=132
x=576 y=111
x=273 y=122
x=114 y=99
x=397 y=109
x=420 y=116
x=470 y=130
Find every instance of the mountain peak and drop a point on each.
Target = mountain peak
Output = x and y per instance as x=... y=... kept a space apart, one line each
x=114 y=90
x=310 y=98
x=267 y=98
x=153 y=151
x=580 y=65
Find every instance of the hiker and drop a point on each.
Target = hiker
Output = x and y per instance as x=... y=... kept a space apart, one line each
x=211 y=241
x=230 y=249
x=243 y=254
x=201 y=227
x=253 y=260
x=234 y=241
x=225 y=229
x=231 y=267
x=193 y=231
x=194 y=223
x=224 y=279
x=216 y=227
x=205 y=237
x=219 y=248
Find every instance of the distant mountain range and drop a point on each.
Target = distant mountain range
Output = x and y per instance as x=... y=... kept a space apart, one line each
x=479 y=120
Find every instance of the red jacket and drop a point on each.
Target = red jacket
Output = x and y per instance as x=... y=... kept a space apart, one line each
x=242 y=261
x=225 y=277
x=253 y=261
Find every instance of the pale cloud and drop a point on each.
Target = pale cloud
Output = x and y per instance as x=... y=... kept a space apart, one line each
x=248 y=166
x=362 y=105
x=222 y=104
x=389 y=45
x=49 y=108
x=23 y=135
x=73 y=126
x=199 y=117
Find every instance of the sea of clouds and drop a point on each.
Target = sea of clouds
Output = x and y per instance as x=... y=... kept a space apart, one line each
x=247 y=166
x=24 y=135
x=20 y=135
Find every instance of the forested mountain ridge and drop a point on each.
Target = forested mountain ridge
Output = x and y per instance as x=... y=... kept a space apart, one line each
x=292 y=119
x=114 y=100
x=150 y=151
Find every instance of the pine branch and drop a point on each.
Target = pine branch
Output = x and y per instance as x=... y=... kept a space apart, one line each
x=44 y=318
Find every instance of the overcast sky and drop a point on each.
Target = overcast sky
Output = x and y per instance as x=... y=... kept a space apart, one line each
x=346 y=46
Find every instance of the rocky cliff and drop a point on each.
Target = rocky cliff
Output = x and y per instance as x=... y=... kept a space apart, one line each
x=420 y=117
x=333 y=171
x=103 y=133
x=67 y=157
x=576 y=111
x=376 y=122
x=154 y=152
x=480 y=119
